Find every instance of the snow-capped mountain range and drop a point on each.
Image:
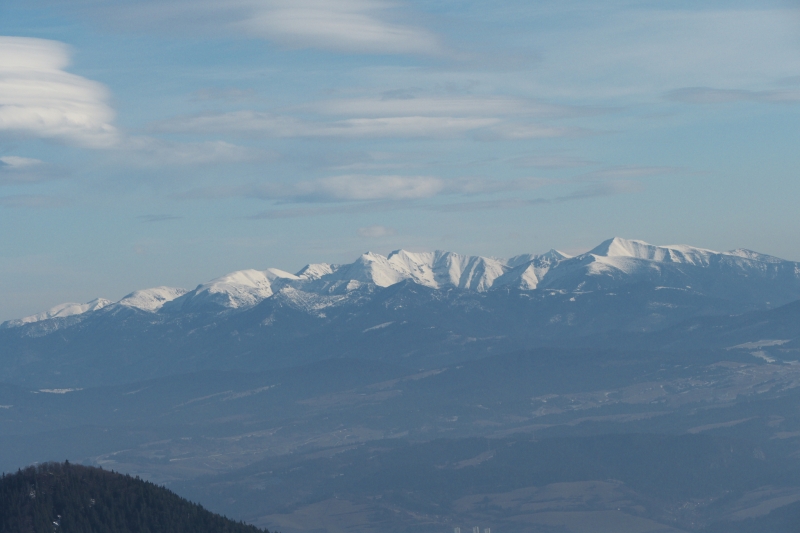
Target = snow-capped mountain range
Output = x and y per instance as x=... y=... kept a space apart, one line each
x=741 y=274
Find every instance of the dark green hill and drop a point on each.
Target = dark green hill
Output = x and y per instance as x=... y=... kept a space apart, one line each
x=56 y=497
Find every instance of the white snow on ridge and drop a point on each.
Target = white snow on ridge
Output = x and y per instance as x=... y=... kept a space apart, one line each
x=316 y=271
x=244 y=288
x=317 y=286
x=618 y=247
x=755 y=256
x=151 y=299
x=61 y=311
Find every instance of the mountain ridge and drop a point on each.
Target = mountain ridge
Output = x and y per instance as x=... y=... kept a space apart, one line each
x=612 y=263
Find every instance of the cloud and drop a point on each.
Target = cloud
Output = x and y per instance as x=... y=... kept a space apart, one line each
x=250 y=123
x=375 y=232
x=355 y=26
x=429 y=117
x=13 y=162
x=355 y=187
x=152 y=151
x=32 y=201
x=298 y=212
x=708 y=95
x=15 y=170
x=601 y=188
x=342 y=25
x=591 y=190
x=405 y=104
x=39 y=99
x=345 y=188
x=367 y=188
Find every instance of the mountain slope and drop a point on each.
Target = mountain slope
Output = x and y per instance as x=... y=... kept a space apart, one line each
x=64 y=497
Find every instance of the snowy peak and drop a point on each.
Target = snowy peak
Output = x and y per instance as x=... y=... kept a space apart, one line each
x=551 y=258
x=151 y=300
x=440 y=269
x=474 y=273
x=60 y=311
x=316 y=271
x=369 y=268
x=529 y=270
x=240 y=289
x=623 y=248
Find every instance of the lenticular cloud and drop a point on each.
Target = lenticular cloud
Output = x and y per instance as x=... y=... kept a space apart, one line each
x=39 y=99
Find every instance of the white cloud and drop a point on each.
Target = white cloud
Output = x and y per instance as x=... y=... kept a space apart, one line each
x=345 y=188
x=359 y=26
x=355 y=187
x=484 y=117
x=248 y=123
x=408 y=126
x=15 y=170
x=394 y=114
x=369 y=188
x=343 y=25
x=13 y=162
x=439 y=106
x=39 y=99
x=152 y=151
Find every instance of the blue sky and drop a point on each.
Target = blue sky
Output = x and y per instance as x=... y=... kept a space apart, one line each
x=148 y=143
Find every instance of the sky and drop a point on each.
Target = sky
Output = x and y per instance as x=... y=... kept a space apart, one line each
x=147 y=143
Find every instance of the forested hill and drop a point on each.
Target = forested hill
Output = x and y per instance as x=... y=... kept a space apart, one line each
x=61 y=497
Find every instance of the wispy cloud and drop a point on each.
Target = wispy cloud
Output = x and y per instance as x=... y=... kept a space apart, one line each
x=708 y=95
x=592 y=190
x=15 y=170
x=367 y=188
x=38 y=98
x=600 y=189
x=427 y=117
x=375 y=232
x=150 y=151
x=345 y=25
x=406 y=104
x=368 y=194
x=253 y=123
x=353 y=26
x=588 y=191
x=302 y=212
